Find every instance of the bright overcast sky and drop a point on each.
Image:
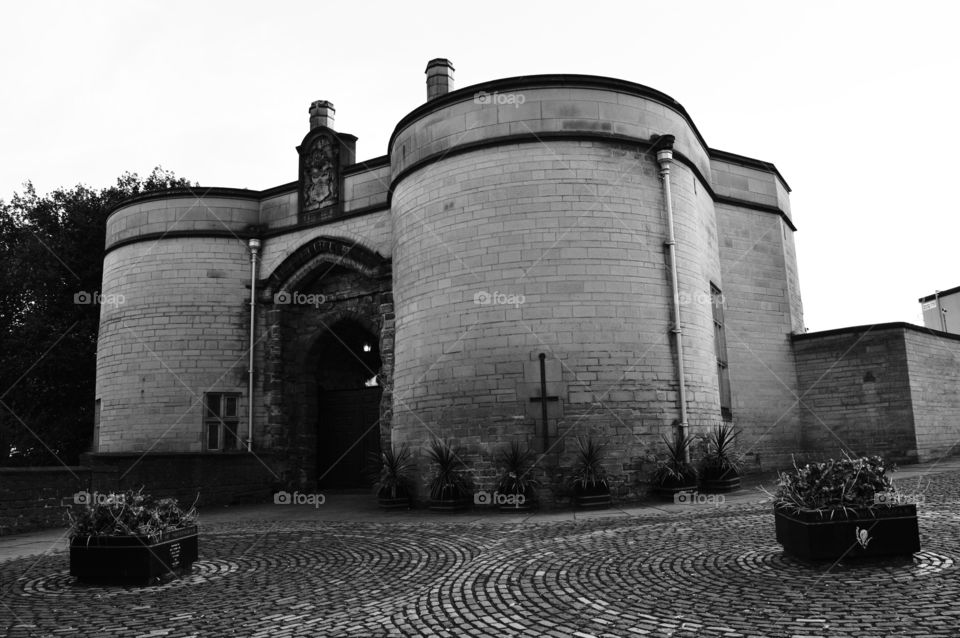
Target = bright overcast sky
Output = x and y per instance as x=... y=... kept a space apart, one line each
x=856 y=103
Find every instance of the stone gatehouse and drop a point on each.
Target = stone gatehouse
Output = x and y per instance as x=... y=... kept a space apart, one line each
x=412 y=295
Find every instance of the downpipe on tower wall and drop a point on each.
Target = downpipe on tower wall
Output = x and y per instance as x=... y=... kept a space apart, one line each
x=254 y=245
x=664 y=144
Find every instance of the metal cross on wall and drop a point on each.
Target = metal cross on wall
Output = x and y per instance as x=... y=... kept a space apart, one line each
x=543 y=397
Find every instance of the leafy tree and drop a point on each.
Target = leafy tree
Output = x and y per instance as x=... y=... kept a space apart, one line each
x=51 y=248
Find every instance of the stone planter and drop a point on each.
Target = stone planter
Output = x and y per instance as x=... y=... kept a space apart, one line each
x=865 y=533
x=133 y=560
x=592 y=497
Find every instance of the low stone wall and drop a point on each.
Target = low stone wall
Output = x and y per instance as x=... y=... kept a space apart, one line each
x=208 y=479
x=855 y=392
x=889 y=389
x=934 y=359
x=35 y=498
x=38 y=497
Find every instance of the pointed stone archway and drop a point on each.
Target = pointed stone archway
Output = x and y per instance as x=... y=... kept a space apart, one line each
x=325 y=303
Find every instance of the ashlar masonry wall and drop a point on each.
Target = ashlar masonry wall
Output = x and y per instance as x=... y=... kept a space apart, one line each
x=933 y=359
x=855 y=392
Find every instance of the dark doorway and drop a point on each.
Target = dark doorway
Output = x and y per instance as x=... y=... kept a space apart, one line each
x=348 y=405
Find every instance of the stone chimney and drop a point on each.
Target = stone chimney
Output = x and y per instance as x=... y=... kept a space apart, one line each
x=321 y=114
x=439 y=78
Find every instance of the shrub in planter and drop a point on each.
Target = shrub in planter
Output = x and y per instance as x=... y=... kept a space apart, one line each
x=516 y=483
x=847 y=508
x=720 y=468
x=589 y=477
x=394 y=481
x=131 y=538
x=450 y=487
x=675 y=474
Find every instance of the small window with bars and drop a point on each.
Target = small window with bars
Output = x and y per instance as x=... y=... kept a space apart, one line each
x=221 y=421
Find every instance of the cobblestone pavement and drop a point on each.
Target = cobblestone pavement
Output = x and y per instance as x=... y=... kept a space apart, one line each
x=708 y=571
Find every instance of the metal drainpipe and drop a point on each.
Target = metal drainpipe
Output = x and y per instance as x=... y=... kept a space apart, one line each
x=254 y=245
x=665 y=157
x=943 y=318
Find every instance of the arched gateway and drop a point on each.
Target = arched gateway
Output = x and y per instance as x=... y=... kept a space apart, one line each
x=328 y=306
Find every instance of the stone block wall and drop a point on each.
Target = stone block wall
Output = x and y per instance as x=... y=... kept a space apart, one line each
x=572 y=233
x=207 y=479
x=761 y=312
x=180 y=330
x=855 y=389
x=934 y=364
x=34 y=498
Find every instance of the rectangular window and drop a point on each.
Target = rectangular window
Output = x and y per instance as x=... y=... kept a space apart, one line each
x=221 y=421
x=720 y=344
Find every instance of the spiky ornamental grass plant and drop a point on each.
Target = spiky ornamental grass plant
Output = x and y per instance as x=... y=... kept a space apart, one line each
x=721 y=460
x=129 y=513
x=517 y=462
x=834 y=487
x=450 y=480
x=676 y=470
x=588 y=471
x=395 y=474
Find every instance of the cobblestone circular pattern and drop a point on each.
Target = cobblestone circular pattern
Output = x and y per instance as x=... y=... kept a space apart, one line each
x=717 y=573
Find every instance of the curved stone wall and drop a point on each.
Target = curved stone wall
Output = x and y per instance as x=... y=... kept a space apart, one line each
x=173 y=325
x=510 y=247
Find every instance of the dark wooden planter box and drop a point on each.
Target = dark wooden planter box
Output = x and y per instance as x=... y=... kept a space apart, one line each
x=719 y=485
x=449 y=504
x=668 y=490
x=133 y=560
x=451 y=499
x=890 y=531
x=399 y=501
x=596 y=498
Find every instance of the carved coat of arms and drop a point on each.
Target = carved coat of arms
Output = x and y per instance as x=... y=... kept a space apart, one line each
x=320 y=179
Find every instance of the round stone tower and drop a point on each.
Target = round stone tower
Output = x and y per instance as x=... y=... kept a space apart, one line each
x=529 y=219
x=177 y=266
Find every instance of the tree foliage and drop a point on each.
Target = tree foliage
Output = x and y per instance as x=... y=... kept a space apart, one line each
x=51 y=249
